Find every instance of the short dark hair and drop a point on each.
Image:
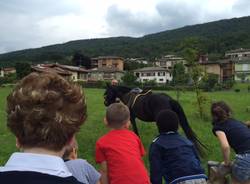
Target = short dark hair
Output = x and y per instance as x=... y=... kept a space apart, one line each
x=166 y=121
x=45 y=110
x=117 y=114
x=220 y=111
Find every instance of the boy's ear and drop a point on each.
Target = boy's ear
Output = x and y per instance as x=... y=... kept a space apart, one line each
x=18 y=145
x=105 y=121
x=127 y=125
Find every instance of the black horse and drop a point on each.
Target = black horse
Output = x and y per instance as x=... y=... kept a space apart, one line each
x=147 y=105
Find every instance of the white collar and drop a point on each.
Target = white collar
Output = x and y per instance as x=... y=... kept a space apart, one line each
x=42 y=163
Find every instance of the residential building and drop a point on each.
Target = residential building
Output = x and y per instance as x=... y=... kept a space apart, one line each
x=6 y=71
x=113 y=62
x=168 y=61
x=105 y=73
x=137 y=60
x=78 y=73
x=70 y=72
x=159 y=74
x=241 y=58
x=224 y=68
x=242 y=70
x=238 y=54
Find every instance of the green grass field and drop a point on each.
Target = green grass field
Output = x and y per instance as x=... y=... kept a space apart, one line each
x=94 y=127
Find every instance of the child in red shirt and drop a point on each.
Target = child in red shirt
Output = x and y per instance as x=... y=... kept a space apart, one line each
x=120 y=151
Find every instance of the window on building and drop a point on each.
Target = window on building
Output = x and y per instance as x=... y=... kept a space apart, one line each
x=161 y=79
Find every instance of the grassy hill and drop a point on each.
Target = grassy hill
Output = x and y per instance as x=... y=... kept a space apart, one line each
x=213 y=37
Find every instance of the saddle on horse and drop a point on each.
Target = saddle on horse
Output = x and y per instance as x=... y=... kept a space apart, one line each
x=134 y=94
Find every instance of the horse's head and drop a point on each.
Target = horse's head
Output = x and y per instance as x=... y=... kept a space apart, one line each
x=113 y=92
x=110 y=95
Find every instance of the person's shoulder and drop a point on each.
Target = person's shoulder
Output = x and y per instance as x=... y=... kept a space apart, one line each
x=132 y=134
x=77 y=161
x=103 y=137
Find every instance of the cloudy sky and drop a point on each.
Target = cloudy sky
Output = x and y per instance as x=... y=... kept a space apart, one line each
x=35 y=23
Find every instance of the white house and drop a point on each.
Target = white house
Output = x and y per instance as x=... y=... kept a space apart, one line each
x=158 y=74
x=238 y=54
x=241 y=58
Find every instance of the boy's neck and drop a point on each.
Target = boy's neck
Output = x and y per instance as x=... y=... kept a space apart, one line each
x=121 y=128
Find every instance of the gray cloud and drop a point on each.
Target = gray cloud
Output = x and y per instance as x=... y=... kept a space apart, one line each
x=20 y=20
x=40 y=8
x=124 y=22
x=34 y=23
x=169 y=15
x=242 y=7
x=177 y=14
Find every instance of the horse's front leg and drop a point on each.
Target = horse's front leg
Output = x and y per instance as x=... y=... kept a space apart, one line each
x=133 y=122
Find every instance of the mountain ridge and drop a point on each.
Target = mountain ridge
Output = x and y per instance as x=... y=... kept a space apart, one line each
x=212 y=37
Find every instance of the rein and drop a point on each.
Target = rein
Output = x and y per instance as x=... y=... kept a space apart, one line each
x=136 y=97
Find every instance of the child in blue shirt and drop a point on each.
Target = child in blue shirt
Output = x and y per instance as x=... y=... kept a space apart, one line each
x=172 y=156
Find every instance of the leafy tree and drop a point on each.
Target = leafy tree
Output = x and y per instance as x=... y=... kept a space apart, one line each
x=22 y=69
x=179 y=78
x=81 y=60
x=131 y=65
x=209 y=81
x=196 y=73
x=10 y=78
x=179 y=74
x=129 y=79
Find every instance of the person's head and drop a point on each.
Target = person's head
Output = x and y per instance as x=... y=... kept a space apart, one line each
x=71 y=150
x=44 y=111
x=117 y=116
x=220 y=111
x=167 y=121
x=114 y=82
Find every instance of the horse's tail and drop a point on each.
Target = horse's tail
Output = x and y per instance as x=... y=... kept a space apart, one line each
x=176 y=107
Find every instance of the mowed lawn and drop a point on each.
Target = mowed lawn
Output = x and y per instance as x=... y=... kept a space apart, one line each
x=93 y=128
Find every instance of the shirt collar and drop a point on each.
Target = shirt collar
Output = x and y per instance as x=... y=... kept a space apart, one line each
x=166 y=133
x=47 y=164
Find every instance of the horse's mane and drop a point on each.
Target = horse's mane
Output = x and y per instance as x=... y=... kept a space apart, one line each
x=123 y=89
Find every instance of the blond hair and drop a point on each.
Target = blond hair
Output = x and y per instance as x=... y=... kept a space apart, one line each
x=117 y=115
x=45 y=110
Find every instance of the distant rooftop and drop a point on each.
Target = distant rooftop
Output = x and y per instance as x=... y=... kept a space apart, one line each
x=238 y=50
x=150 y=69
x=107 y=57
x=51 y=70
x=106 y=70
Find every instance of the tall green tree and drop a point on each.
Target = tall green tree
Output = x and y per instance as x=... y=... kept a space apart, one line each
x=22 y=69
x=180 y=78
x=80 y=59
x=129 y=79
x=179 y=74
x=196 y=73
